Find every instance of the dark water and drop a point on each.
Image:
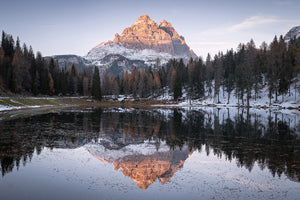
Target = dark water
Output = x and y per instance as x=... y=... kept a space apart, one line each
x=157 y=154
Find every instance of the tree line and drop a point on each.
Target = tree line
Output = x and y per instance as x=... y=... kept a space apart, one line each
x=242 y=73
x=23 y=72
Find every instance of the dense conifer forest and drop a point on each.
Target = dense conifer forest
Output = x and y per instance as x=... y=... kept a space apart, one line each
x=244 y=72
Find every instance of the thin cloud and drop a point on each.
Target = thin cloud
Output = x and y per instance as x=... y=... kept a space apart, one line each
x=258 y=27
x=252 y=22
x=248 y=23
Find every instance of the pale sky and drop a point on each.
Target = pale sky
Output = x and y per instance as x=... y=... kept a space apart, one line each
x=57 y=27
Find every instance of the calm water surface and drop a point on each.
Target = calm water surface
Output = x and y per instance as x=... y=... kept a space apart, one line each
x=151 y=154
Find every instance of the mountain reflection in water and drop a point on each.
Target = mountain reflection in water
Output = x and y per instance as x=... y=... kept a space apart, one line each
x=143 y=163
x=152 y=145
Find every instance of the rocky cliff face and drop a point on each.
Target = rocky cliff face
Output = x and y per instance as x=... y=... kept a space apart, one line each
x=146 y=34
x=293 y=33
x=145 y=40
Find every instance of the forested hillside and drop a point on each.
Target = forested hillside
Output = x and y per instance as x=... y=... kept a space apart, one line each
x=23 y=72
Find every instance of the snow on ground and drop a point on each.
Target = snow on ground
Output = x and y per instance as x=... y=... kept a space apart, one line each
x=290 y=100
x=51 y=98
x=7 y=108
x=3 y=108
x=11 y=103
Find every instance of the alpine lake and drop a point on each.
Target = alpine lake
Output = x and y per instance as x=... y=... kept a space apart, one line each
x=157 y=153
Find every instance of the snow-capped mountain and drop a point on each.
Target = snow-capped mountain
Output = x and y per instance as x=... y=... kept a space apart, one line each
x=149 y=56
x=145 y=40
x=139 y=45
x=293 y=33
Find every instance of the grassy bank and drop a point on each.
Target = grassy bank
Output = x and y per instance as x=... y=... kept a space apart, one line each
x=15 y=107
x=24 y=103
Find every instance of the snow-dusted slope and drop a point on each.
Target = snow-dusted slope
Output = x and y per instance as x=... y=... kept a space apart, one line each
x=149 y=56
x=293 y=33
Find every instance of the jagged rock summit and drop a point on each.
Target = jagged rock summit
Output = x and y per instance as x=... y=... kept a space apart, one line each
x=145 y=40
x=293 y=33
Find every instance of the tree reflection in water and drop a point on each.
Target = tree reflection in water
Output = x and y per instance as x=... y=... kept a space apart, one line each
x=269 y=139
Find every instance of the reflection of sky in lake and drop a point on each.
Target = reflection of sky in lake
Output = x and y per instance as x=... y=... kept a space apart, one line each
x=76 y=174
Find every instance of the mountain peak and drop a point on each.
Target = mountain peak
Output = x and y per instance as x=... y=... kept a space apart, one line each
x=146 y=34
x=168 y=28
x=165 y=23
x=144 y=19
x=145 y=40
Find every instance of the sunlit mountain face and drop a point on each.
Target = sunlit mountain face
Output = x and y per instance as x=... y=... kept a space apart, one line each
x=144 y=40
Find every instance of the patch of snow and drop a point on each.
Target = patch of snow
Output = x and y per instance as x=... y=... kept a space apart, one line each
x=3 y=108
x=262 y=100
x=7 y=108
x=16 y=102
x=96 y=55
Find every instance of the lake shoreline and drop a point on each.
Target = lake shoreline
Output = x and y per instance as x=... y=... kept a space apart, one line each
x=8 y=104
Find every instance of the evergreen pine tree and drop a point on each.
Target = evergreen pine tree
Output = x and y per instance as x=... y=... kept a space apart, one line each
x=177 y=86
x=96 y=87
